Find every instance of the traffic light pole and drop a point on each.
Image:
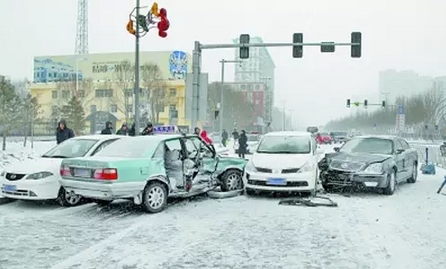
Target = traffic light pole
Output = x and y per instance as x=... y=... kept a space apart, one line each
x=136 y=90
x=196 y=64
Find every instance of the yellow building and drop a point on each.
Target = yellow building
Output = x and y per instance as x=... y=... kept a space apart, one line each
x=105 y=86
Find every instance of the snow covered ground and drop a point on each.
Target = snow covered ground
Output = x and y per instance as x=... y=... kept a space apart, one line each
x=369 y=230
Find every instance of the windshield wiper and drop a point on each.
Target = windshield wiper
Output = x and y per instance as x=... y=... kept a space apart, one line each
x=55 y=156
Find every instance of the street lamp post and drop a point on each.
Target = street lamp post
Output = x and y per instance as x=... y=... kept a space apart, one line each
x=223 y=62
x=77 y=71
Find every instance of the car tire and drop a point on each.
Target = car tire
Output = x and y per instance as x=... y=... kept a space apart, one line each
x=154 y=197
x=103 y=203
x=414 y=176
x=68 y=199
x=232 y=180
x=391 y=183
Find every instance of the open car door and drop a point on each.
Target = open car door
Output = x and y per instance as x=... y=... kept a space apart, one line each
x=204 y=157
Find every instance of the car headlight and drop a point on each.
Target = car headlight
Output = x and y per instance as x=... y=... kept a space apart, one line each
x=308 y=167
x=2 y=174
x=249 y=167
x=374 y=168
x=39 y=175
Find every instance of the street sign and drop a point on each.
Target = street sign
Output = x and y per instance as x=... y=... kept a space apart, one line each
x=400 y=122
x=400 y=110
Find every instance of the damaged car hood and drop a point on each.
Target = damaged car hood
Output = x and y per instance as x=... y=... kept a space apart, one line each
x=353 y=161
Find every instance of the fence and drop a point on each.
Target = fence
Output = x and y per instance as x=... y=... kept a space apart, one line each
x=41 y=128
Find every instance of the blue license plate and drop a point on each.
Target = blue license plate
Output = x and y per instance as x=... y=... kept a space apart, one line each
x=9 y=188
x=276 y=181
x=82 y=173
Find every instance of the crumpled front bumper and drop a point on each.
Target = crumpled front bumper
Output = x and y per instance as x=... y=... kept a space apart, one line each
x=345 y=179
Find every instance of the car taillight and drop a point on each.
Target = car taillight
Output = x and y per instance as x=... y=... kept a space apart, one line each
x=65 y=171
x=106 y=174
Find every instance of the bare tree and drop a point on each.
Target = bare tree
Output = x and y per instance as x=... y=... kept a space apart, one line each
x=32 y=112
x=124 y=76
x=154 y=92
x=66 y=90
x=10 y=109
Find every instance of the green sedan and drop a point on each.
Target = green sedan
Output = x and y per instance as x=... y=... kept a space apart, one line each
x=149 y=169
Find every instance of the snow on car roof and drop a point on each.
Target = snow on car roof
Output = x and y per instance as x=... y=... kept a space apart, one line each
x=390 y=137
x=98 y=137
x=288 y=133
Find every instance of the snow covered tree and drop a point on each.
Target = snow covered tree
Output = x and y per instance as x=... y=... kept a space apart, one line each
x=10 y=109
x=74 y=114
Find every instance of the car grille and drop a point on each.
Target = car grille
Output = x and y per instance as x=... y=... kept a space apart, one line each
x=283 y=171
x=346 y=166
x=14 y=177
x=288 y=184
x=338 y=176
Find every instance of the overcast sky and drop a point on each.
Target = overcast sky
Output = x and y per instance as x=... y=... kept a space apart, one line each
x=398 y=34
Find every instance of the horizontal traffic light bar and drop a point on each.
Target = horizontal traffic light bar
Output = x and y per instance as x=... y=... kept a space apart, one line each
x=261 y=45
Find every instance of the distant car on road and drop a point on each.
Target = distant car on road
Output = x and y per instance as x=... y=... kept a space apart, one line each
x=339 y=137
x=370 y=161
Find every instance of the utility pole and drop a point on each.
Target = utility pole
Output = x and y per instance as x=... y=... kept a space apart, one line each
x=284 y=116
x=223 y=62
x=136 y=89
x=326 y=47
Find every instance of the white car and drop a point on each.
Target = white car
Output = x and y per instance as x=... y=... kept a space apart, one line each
x=38 y=179
x=283 y=162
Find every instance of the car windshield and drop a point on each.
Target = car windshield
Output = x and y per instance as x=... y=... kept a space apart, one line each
x=71 y=148
x=126 y=148
x=285 y=144
x=368 y=145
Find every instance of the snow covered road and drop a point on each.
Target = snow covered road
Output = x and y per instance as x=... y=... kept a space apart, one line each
x=365 y=231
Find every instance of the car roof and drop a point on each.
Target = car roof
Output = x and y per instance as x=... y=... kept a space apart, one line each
x=390 y=137
x=161 y=137
x=98 y=137
x=289 y=133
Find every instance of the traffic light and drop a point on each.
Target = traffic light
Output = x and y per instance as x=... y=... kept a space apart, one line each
x=365 y=103
x=384 y=103
x=298 y=50
x=244 y=51
x=348 y=103
x=130 y=28
x=164 y=24
x=356 y=49
x=216 y=113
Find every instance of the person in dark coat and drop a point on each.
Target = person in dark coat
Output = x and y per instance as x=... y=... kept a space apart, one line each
x=235 y=135
x=224 y=137
x=123 y=130
x=108 y=128
x=148 y=130
x=243 y=144
x=63 y=132
x=132 y=131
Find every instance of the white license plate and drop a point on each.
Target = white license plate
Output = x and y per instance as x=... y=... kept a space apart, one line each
x=9 y=188
x=82 y=173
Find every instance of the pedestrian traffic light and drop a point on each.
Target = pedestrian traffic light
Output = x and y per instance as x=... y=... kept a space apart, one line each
x=130 y=28
x=365 y=103
x=356 y=49
x=348 y=103
x=216 y=113
x=384 y=103
x=298 y=50
x=244 y=51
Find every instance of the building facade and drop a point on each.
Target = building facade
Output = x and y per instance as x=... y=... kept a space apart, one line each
x=104 y=84
x=393 y=84
x=259 y=68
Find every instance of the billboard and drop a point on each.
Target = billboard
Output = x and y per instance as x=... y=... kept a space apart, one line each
x=174 y=65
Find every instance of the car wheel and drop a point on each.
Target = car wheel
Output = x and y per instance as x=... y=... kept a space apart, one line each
x=231 y=180
x=154 y=197
x=103 y=203
x=414 y=176
x=391 y=184
x=68 y=199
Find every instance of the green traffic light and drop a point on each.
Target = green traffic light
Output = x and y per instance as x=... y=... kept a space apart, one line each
x=356 y=103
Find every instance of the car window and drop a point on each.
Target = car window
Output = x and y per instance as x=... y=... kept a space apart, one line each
x=71 y=148
x=173 y=144
x=404 y=144
x=399 y=145
x=103 y=145
x=194 y=144
x=127 y=148
x=159 y=152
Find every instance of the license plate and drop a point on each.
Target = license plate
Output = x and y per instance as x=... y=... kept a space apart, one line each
x=9 y=188
x=276 y=181
x=82 y=173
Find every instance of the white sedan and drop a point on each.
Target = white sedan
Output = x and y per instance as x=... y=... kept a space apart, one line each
x=38 y=179
x=283 y=162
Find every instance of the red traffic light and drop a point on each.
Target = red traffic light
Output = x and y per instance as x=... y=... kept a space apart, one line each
x=164 y=23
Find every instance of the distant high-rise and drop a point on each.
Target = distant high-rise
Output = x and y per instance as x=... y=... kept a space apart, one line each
x=393 y=84
x=259 y=67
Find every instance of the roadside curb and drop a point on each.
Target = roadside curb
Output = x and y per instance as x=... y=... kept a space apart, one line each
x=4 y=200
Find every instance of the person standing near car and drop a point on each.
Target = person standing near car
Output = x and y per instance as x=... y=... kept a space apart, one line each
x=197 y=131
x=242 y=144
x=123 y=130
x=224 y=137
x=148 y=130
x=63 y=132
x=108 y=128
x=235 y=135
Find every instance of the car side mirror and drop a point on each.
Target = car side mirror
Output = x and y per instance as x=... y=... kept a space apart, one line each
x=399 y=151
x=337 y=149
